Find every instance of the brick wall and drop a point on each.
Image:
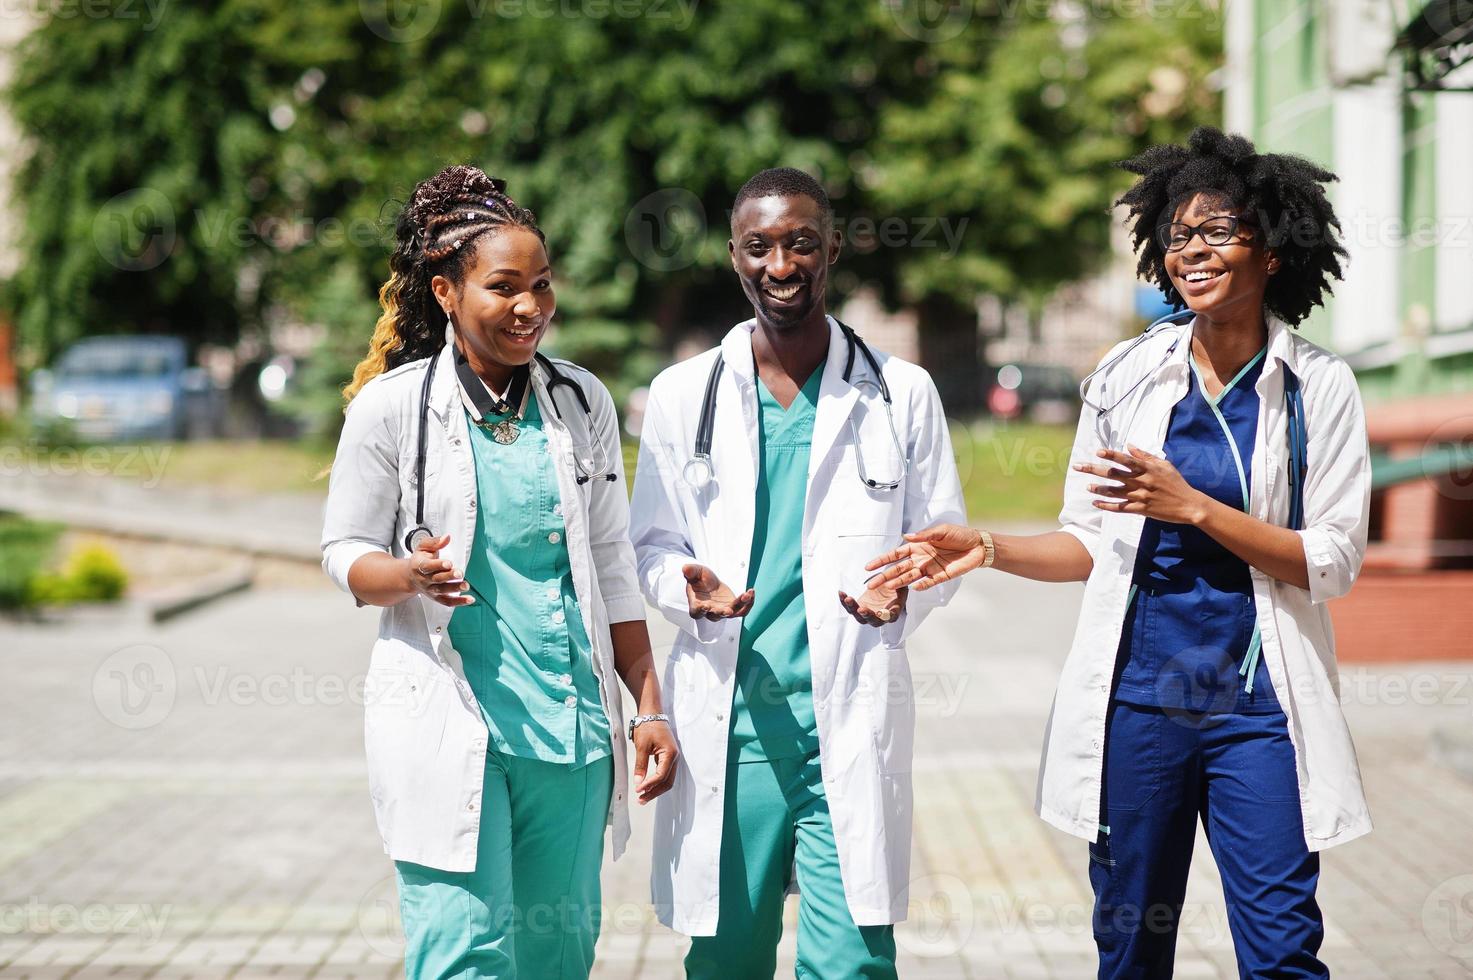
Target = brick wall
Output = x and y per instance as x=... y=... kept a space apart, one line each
x=1405 y=616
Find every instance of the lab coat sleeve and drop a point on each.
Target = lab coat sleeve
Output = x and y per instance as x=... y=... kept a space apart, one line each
x=1079 y=516
x=608 y=518
x=1337 y=490
x=363 y=491
x=662 y=541
x=933 y=493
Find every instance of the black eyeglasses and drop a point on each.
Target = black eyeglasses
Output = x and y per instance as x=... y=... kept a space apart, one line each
x=1173 y=236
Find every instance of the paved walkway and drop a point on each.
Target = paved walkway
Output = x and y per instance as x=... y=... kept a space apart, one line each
x=189 y=800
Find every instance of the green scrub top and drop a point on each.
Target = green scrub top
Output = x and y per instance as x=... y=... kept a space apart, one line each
x=772 y=704
x=527 y=656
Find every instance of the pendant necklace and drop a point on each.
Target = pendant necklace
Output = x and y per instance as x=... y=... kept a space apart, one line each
x=505 y=430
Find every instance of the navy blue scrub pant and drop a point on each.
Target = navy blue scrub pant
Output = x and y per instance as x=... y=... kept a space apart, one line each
x=1165 y=768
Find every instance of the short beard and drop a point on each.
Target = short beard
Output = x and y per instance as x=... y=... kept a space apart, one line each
x=791 y=317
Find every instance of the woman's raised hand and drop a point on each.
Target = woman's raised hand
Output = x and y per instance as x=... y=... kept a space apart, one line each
x=430 y=575
x=931 y=556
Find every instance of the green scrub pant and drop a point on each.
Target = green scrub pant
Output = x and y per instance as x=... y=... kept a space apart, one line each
x=777 y=820
x=530 y=909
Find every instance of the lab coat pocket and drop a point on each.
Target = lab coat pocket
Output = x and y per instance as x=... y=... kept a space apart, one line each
x=402 y=711
x=849 y=553
x=891 y=703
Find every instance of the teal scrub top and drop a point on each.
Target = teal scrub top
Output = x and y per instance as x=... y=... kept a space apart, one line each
x=527 y=656
x=772 y=704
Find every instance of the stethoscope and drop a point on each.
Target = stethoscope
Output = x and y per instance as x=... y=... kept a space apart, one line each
x=589 y=465
x=1298 y=437
x=698 y=471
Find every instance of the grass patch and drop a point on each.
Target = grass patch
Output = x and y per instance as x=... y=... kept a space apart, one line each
x=1009 y=471
x=247 y=466
x=1012 y=471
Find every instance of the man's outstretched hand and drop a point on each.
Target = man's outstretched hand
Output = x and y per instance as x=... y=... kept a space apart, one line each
x=710 y=598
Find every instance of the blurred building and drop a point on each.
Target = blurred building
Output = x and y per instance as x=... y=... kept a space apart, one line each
x=1381 y=92
x=17 y=23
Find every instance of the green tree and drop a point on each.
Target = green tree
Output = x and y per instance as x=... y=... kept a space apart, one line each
x=217 y=168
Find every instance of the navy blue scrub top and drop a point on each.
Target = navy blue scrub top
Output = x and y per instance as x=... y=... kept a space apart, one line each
x=1190 y=620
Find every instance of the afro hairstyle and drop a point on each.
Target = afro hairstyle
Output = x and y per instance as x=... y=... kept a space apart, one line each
x=1281 y=195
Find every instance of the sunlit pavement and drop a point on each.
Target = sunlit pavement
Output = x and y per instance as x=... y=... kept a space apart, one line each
x=189 y=800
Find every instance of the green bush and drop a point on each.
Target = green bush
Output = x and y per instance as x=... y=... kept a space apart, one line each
x=92 y=574
x=25 y=547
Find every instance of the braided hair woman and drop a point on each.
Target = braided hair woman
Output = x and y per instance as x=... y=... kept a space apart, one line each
x=478 y=496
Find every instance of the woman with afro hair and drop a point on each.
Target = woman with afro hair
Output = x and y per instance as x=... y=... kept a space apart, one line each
x=1218 y=496
x=478 y=496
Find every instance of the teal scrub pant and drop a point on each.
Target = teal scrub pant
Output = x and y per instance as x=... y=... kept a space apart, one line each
x=777 y=820
x=530 y=909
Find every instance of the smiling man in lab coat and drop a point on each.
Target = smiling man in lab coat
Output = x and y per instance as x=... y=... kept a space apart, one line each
x=788 y=686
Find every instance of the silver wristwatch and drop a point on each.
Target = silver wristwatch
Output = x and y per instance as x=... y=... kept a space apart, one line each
x=638 y=720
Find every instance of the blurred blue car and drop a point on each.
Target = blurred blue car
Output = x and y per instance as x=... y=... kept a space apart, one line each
x=124 y=387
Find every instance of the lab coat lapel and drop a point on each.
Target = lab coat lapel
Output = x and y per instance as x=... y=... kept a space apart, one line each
x=836 y=398
x=735 y=423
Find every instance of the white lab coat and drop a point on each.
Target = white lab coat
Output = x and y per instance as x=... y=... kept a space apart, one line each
x=1298 y=644
x=423 y=730
x=861 y=678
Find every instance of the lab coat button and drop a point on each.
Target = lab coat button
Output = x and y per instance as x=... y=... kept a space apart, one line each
x=554 y=538
x=439 y=629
